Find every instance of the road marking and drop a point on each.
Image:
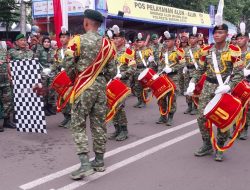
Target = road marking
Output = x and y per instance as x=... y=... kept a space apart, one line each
x=128 y=161
x=68 y=170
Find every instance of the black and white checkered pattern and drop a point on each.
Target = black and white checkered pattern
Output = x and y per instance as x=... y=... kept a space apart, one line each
x=28 y=106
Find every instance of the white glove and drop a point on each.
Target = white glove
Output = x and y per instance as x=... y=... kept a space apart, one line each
x=222 y=89
x=62 y=69
x=118 y=76
x=151 y=58
x=46 y=71
x=190 y=89
x=127 y=45
x=246 y=72
x=167 y=70
x=185 y=70
x=155 y=77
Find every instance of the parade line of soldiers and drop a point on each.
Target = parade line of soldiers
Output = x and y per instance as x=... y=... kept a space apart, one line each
x=182 y=59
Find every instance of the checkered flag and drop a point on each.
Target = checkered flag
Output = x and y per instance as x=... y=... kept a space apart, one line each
x=29 y=107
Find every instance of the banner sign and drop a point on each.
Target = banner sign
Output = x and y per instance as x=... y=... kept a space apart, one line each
x=44 y=8
x=157 y=13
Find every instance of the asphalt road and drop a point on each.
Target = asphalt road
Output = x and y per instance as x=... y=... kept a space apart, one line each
x=154 y=157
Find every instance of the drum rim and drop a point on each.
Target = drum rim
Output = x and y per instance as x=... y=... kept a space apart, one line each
x=143 y=74
x=210 y=106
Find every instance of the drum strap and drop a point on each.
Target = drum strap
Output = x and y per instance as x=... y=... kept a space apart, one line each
x=217 y=70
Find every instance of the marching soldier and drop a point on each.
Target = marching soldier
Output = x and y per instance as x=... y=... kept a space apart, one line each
x=182 y=73
x=201 y=41
x=229 y=64
x=126 y=68
x=234 y=40
x=156 y=48
x=5 y=90
x=142 y=54
x=171 y=66
x=90 y=97
x=242 y=41
x=57 y=67
x=192 y=59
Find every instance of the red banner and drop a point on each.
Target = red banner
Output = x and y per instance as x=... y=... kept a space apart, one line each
x=57 y=19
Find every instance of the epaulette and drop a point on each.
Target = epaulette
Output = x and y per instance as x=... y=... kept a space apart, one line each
x=235 y=51
x=204 y=51
x=248 y=56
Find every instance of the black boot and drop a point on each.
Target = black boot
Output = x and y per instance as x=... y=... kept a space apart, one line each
x=123 y=135
x=8 y=124
x=1 y=128
x=14 y=117
x=85 y=168
x=46 y=111
x=67 y=119
x=206 y=149
x=219 y=154
x=243 y=134
x=52 y=109
x=98 y=162
x=162 y=119
x=170 y=119
x=189 y=109
x=112 y=136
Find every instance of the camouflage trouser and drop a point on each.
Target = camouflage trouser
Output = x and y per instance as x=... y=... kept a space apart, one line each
x=138 y=88
x=6 y=99
x=50 y=97
x=188 y=77
x=181 y=81
x=206 y=96
x=163 y=102
x=120 y=117
x=92 y=103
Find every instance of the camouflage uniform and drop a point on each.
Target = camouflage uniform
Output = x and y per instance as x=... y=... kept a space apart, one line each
x=19 y=54
x=246 y=58
x=46 y=59
x=92 y=102
x=138 y=88
x=56 y=68
x=155 y=48
x=188 y=75
x=126 y=70
x=227 y=65
x=5 y=89
x=183 y=76
x=176 y=61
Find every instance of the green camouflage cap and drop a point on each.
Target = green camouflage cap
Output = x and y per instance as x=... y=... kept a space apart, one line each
x=19 y=36
x=93 y=15
x=154 y=36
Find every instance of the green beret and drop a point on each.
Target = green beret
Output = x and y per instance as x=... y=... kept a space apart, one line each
x=20 y=36
x=93 y=15
x=154 y=36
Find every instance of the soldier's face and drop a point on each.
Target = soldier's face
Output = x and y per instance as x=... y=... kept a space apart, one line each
x=242 y=41
x=64 y=39
x=193 y=40
x=118 y=41
x=184 y=44
x=155 y=41
x=21 y=43
x=46 y=43
x=140 y=44
x=200 y=42
x=170 y=43
x=220 y=36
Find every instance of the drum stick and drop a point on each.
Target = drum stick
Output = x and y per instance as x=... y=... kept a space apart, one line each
x=166 y=59
x=143 y=61
x=217 y=70
x=192 y=57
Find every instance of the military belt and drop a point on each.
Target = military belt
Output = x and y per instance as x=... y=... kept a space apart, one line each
x=214 y=80
x=190 y=66
x=173 y=73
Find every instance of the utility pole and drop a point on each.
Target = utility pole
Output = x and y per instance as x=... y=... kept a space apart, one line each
x=23 y=17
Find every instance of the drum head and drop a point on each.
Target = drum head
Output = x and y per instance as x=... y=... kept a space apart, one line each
x=212 y=104
x=143 y=74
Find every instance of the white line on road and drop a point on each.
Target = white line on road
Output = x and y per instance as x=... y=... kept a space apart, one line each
x=68 y=170
x=129 y=160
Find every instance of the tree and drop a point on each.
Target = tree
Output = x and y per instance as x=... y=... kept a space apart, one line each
x=9 y=13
